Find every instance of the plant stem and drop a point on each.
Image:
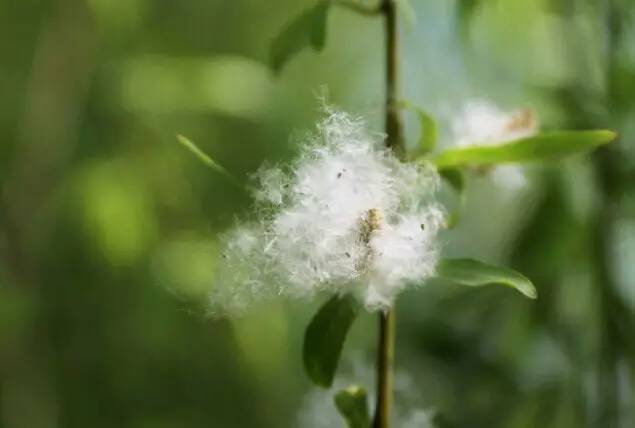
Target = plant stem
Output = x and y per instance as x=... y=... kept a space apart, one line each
x=385 y=357
x=394 y=140
x=394 y=122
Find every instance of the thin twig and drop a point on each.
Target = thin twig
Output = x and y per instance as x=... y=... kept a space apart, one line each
x=385 y=358
x=394 y=121
x=394 y=140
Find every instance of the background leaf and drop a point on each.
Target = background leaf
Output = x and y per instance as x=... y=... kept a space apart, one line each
x=352 y=403
x=456 y=179
x=548 y=146
x=407 y=11
x=429 y=131
x=208 y=161
x=325 y=337
x=475 y=273
x=318 y=18
x=309 y=28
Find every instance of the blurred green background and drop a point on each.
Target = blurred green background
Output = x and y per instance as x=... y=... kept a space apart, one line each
x=108 y=228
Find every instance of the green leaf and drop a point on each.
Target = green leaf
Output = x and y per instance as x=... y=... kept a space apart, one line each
x=360 y=7
x=475 y=273
x=429 y=131
x=542 y=147
x=455 y=178
x=407 y=11
x=352 y=403
x=324 y=338
x=208 y=161
x=307 y=29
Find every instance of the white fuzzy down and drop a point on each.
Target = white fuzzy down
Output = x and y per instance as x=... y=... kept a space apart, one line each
x=315 y=230
x=480 y=122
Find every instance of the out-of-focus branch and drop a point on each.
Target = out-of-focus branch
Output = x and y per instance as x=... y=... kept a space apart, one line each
x=59 y=78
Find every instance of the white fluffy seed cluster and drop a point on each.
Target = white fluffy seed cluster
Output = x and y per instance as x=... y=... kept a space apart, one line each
x=347 y=216
x=482 y=123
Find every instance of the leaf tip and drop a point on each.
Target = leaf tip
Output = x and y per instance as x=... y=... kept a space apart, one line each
x=352 y=391
x=611 y=135
x=525 y=286
x=352 y=403
x=324 y=338
x=320 y=379
x=184 y=141
x=530 y=291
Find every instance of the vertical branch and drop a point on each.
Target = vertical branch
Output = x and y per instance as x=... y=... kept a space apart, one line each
x=385 y=357
x=394 y=122
x=55 y=93
x=614 y=315
x=394 y=140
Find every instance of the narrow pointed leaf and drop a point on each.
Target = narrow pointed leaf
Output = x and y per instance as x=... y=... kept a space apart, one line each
x=208 y=161
x=307 y=29
x=407 y=11
x=475 y=273
x=542 y=147
x=352 y=403
x=428 y=133
x=319 y=15
x=455 y=178
x=324 y=338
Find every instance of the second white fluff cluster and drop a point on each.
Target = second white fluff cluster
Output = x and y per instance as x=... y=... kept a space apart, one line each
x=480 y=122
x=346 y=216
